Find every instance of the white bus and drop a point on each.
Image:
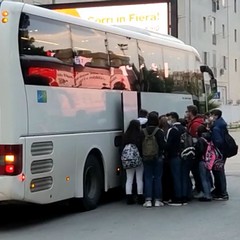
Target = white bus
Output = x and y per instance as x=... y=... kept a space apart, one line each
x=68 y=88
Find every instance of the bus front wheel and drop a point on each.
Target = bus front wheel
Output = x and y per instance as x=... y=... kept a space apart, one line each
x=92 y=183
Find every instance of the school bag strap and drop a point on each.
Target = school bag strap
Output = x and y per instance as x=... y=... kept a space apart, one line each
x=150 y=135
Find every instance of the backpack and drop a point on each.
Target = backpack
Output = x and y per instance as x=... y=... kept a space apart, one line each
x=211 y=154
x=130 y=156
x=230 y=148
x=187 y=149
x=150 y=145
x=219 y=163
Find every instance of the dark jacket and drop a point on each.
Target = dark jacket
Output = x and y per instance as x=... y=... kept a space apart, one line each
x=201 y=146
x=159 y=137
x=218 y=128
x=174 y=140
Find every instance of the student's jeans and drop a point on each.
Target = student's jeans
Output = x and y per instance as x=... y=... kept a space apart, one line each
x=153 y=179
x=205 y=176
x=220 y=181
x=180 y=174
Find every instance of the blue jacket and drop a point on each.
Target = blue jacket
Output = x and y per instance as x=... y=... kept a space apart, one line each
x=218 y=129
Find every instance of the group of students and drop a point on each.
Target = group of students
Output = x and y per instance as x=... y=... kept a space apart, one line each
x=166 y=178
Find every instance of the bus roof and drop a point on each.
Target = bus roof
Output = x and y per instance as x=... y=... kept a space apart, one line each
x=149 y=33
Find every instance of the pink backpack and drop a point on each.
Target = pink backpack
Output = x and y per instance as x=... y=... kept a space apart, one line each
x=211 y=155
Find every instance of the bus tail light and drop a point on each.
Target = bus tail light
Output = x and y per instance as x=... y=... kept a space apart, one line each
x=9 y=168
x=10 y=159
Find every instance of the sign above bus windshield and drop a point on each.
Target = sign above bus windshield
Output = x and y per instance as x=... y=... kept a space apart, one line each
x=152 y=17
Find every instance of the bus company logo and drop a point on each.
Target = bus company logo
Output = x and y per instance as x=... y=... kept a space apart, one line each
x=41 y=96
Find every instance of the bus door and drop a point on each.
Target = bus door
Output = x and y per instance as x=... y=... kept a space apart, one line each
x=129 y=107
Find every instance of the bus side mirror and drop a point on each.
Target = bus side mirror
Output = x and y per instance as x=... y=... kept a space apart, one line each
x=207 y=70
x=213 y=85
x=213 y=81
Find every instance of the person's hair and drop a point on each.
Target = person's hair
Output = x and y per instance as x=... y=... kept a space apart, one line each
x=156 y=113
x=132 y=133
x=152 y=119
x=201 y=129
x=163 y=124
x=192 y=109
x=119 y=86
x=216 y=112
x=162 y=116
x=174 y=115
x=143 y=113
x=183 y=121
x=207 y=114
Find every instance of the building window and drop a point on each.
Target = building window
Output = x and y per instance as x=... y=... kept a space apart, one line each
x=224 y=62
x=205 y=58
x=204 y=24
x=214 y=5
x=217 y=4
x=235 y=6
x=235 y=35
x=214 y=36
x=236 y=65
x=223 y=31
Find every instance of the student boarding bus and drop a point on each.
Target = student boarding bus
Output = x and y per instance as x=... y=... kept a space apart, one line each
x=68 y=89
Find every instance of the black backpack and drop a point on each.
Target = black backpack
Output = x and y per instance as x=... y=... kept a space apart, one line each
x=230 y=148
x=187 y=149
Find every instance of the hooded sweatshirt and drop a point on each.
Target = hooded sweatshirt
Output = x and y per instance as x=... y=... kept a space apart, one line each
x=194 y=124
x=143 y=121
x=218 y=128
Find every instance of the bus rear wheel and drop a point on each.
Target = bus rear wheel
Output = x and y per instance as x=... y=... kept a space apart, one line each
x=92 y=183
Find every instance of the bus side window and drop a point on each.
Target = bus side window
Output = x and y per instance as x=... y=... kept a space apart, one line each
x=151 y=67
x=90 y=58
x=176 y=71
x=37 y=80
x=123 y=56
x=45 y=50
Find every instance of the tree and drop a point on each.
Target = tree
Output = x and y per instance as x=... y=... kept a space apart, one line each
x=211 y=103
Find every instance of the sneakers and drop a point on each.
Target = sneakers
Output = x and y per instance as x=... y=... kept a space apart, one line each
x=175 y=203
x=158 y=203
x=147 y=204
x=221 y=197
x=198 y=195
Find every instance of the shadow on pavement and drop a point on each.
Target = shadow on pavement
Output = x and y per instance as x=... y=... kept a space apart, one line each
x=20 y=215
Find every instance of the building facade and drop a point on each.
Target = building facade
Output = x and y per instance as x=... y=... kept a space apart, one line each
x=211 y=26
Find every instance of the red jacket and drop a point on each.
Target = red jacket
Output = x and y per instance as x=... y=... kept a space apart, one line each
x=194 y=124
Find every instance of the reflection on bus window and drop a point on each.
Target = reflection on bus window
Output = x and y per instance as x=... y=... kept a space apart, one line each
x=35 y=79
x=176 y=70
x=90 y=58
x=45 y=50
x=151 y=67
x=123 y=61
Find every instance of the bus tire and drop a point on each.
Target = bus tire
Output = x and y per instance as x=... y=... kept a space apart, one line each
x=92 y=183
